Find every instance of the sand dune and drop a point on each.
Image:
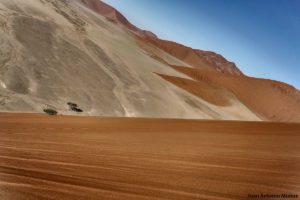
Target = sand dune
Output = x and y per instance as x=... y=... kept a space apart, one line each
x=86 y=52
x=209 y=92
x=271 y=100
x=55 y=52
x=206 y=60
x=115 y=16
x=196 y=58
x=63 y=157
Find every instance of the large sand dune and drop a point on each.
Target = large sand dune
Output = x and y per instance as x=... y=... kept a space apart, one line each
x=218 y=81
x=55 y=52
x=86 y=52
x=63 y=157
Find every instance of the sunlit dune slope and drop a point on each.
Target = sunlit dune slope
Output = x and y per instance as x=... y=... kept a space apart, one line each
x=69 y=158
x=217 y=80
x=58 y=52
x=196 y=58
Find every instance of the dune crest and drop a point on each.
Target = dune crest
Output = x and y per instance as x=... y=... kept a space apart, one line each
x=115 y=16
x=195 y=58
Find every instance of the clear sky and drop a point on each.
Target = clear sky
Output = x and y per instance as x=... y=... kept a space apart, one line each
x=261 y=36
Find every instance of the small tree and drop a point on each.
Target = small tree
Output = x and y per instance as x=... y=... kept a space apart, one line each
x=72 y=104
x=74 y=107
x=50 y=111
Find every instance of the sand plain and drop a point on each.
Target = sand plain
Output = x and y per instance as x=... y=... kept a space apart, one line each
x=67 y=157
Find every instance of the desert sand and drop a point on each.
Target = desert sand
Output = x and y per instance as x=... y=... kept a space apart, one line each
x=64 y=157
x=54 y=53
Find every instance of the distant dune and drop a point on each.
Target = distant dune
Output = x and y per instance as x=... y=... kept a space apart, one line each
x=66 y=158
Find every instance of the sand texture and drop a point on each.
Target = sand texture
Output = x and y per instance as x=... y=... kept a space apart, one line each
x=44 y=157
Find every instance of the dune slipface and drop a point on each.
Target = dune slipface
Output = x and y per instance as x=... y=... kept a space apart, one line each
x=64 y=157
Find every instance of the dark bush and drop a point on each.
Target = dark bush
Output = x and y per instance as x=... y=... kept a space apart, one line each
x=76 y=109
x=72 y=104
x=50 y=111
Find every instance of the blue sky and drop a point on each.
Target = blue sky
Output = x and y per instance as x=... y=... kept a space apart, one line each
x=261 y=36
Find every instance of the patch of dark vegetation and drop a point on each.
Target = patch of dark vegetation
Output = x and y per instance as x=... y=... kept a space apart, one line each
x=72 y=104
x=74 y=107
x=50 y=111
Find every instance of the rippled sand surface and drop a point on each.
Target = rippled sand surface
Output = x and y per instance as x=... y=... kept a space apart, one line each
x=65 y=157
